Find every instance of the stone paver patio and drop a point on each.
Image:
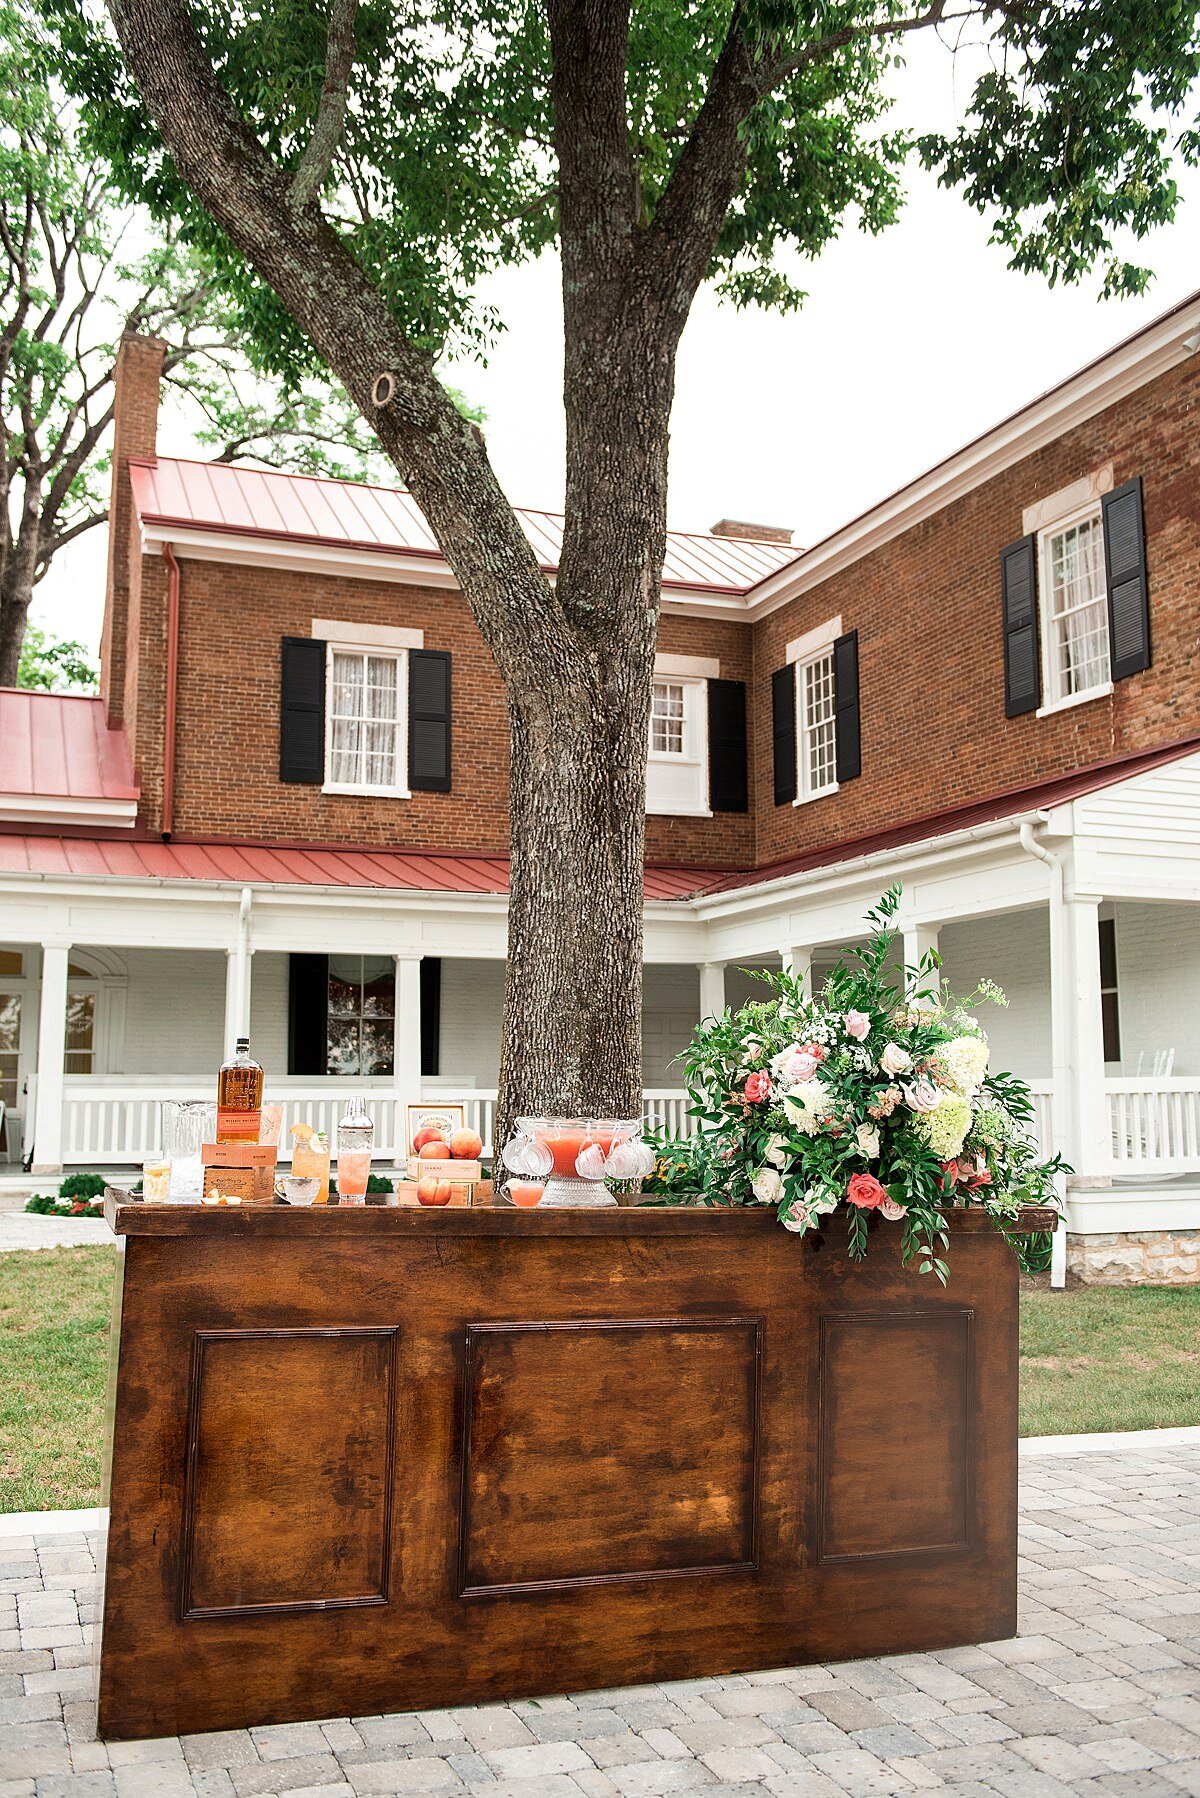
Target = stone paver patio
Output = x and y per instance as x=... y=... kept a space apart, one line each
x=1099 y=1694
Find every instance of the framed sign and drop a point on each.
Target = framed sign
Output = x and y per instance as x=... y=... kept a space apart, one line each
x=443 y=1118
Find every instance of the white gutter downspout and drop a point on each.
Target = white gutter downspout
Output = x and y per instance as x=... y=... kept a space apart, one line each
x=1061 y=1101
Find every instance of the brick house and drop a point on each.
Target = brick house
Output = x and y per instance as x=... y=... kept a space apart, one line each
x=288 y=807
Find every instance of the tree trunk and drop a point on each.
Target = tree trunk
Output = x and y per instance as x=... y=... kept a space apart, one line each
x=15 y=597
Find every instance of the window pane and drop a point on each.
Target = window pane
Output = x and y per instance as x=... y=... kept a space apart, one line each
x=8 y=1080
x=1078 y=609
x=343 y=1047
x=346 y=742
x=666 y=718
x=381 y=687
x=819 y=746
x=81 y=1017
x=376 y=1046
x=10 y=1022
x=11 y=963
x=77 y=1061
x=343 y=998
x=379 y=994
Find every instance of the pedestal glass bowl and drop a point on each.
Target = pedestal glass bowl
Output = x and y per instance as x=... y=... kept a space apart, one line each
x=575 y=1155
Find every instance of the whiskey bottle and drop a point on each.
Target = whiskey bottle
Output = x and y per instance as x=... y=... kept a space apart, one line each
x=239 y=1097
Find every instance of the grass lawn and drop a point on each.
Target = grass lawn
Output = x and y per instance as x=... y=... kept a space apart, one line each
x=1094 y=1358
x=1109 y=1358
x=54 y=1312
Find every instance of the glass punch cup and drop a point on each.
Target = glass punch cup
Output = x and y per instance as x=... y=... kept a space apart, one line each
x=355 y=1138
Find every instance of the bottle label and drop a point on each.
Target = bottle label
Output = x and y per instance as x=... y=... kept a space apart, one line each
x=236 y=1125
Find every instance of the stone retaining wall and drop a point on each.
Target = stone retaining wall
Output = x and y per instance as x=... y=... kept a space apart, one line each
x=1136 y=1258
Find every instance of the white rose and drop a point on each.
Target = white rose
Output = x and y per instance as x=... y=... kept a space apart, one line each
x=767 y=1184
x=895 y=1060
x=867 y=1138
x=821 y=1200
x=776 y=1151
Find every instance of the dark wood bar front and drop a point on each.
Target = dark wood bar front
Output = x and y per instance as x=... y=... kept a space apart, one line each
x=377 y=1459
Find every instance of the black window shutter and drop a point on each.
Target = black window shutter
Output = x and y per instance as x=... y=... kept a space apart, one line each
x=846 y=715
x=431 y=1014
x=1128 y=592
x=728 y=788
x=302 y=711
x=1022 y=652
x=429 y=720
x=308 y=1013
x=783 y=732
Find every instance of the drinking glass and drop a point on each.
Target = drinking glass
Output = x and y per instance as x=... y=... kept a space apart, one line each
x=186 y=1125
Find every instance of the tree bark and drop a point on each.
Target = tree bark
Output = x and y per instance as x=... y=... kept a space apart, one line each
x=14 y=611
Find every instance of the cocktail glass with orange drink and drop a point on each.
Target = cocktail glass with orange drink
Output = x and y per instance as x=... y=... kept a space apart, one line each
x=310 y=1158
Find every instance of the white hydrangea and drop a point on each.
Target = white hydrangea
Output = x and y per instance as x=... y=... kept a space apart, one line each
x=806 y=1104
x=964 y=1063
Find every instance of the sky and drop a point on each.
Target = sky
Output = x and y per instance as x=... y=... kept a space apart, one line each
x=908 y=346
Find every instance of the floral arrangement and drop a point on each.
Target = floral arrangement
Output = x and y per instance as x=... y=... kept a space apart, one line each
x=875 y=1096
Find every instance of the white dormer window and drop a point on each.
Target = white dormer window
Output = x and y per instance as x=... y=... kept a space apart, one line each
x=366 y=712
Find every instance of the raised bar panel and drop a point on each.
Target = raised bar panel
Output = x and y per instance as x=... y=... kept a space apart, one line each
x=896 y=1398
x=289 y=1471
x=608 y=1450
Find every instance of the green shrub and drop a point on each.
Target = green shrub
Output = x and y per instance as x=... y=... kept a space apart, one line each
x=41 y=1203
x=82 y=1186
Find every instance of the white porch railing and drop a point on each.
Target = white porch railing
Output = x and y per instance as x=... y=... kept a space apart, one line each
x=115 y=1122
x=1154 y=1120
x=1155 y=1124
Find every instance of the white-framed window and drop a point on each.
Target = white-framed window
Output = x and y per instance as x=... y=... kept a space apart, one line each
x=1074 y=609
x=816 y=731
x=366 y=721
x=677 y=761
x=360 y=1026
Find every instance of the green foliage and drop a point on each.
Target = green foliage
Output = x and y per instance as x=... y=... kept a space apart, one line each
x=81 y=1205
x=447 y=168
x=54 y=664
x=680 y=1165
x=872 y=1097
x=82 y=1186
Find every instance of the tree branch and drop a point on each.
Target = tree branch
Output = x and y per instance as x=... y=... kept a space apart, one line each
x=322 y=146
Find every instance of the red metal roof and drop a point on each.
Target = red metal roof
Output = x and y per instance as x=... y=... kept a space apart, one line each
x=1037 y=798
x=220 y=496
x=258 y=864
x=57 y=745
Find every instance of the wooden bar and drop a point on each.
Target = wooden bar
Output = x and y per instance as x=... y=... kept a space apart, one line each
x=377 y=1458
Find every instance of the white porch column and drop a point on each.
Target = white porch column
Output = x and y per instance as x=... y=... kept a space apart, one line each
x=918 y=940
x=712 y=989
x=1091 y=1145
x=798 y=962
x=406 y=1045
x=237 y=978
x=52 y=1041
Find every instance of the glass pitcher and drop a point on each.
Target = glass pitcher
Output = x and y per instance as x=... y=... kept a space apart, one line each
x=186 y=1125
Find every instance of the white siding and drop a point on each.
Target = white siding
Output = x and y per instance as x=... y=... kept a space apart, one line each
x=472 y=1004
x=269 y=1012
x=1158 y=985
x=1162 y=807
x=1013 y=949
x=174 y=1011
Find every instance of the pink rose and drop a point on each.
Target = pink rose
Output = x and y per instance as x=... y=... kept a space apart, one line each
x=923 y=1095
x=796 y=1066
x=892 y=1211
x=857 y=1025
x=757 y=1088
x=865 y=1191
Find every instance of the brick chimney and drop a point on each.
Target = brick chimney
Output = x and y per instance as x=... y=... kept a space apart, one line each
x=762 y=533
x=135 y=433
